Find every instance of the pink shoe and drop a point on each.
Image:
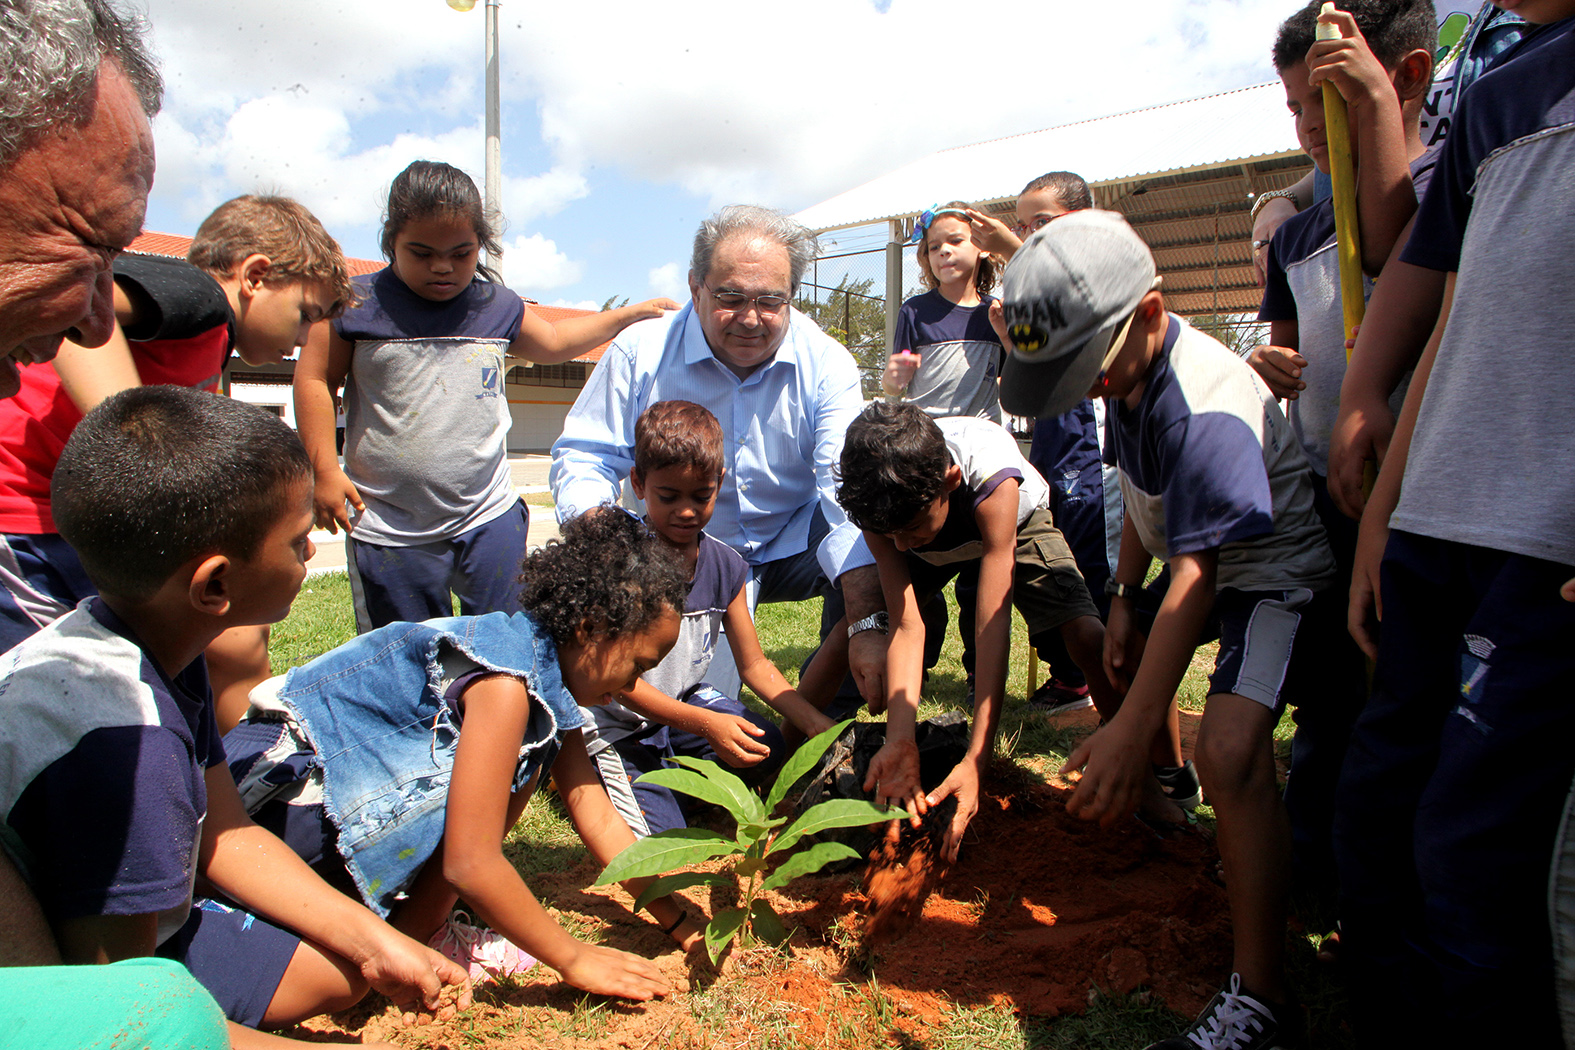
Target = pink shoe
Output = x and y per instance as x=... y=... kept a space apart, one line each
x=487 y=954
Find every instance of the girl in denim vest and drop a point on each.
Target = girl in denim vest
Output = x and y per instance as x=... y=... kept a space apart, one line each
x=399 y=761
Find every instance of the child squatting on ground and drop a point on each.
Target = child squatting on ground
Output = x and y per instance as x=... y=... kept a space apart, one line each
x=191 y=514
x=678 y=457
x=433 y=508
x=1213 y=481
x=398 y=762
x=261 y=271
x=930 y=497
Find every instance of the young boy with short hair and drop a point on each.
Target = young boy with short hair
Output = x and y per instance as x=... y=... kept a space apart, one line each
x=261 y=270
x=1454 y=787
x=191 y=514
x=932 y=496
x=1382 y=65
x=1214 y=481
x=678 y=458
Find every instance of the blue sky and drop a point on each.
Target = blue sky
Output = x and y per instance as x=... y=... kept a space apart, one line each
x=625 y=124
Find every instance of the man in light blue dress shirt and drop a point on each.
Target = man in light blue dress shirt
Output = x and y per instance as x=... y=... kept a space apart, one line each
x=784 y=393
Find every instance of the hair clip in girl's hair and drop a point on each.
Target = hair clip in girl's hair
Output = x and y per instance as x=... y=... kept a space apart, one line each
x=928 y=217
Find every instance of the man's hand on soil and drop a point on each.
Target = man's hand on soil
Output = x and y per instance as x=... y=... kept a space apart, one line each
x=1114 y=766
x=894 y=778
x=963 y=782
x=867 y=661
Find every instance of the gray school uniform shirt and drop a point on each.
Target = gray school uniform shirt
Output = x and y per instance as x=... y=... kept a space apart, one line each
x=426 y=422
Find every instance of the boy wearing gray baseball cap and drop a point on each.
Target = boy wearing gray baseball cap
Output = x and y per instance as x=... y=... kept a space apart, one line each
x=1216 y=484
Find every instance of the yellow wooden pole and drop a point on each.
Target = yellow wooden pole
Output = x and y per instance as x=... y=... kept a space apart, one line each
x=1347 y=230
x=1342 y=169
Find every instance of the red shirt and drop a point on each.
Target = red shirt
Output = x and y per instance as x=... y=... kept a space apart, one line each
x=183 y=343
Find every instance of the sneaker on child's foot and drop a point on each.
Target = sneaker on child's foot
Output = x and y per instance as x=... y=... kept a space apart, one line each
x=1234 y=1021
x=1056 y=696
x=487 y=954
x=1180 y=784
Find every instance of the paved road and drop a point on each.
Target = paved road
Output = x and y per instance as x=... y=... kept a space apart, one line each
x=530 y=476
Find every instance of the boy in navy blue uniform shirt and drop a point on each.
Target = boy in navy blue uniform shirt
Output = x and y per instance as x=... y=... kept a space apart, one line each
x=191 y=514
x=1458 y=771
x=1382 y=65
x=678 y=457
x=1213 y=481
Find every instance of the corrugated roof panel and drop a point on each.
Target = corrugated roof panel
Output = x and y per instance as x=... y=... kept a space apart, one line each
x=1236 y=125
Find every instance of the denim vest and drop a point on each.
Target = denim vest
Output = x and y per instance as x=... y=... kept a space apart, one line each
x=373 y=711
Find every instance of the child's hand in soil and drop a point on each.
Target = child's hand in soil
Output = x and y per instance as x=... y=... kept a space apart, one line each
x=452 y=998
x=963 y=782
x=1115 y=768
x=421 y=982
x=734 y=739
x=894 y=778
x=608 y=971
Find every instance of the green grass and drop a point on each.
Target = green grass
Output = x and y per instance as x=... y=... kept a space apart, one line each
x=1028 y=746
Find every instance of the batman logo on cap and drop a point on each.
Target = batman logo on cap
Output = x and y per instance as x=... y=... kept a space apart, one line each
x=1027 y=337
x=1031 y=323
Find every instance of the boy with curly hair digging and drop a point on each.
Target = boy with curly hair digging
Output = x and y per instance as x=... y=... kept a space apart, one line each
x=191 y=514
x=678 y=471
x=932 y=496
x=1213 y=481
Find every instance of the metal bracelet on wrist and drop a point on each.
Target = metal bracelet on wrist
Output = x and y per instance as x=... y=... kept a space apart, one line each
x=875 y=621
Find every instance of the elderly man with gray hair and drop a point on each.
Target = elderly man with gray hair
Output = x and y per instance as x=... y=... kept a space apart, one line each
x=784 y=393
x=76 y=163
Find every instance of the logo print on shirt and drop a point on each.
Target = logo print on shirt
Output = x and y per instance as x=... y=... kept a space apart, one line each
x=489 y=382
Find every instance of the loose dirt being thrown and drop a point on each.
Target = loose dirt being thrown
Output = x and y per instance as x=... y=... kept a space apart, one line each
x=1039 y=911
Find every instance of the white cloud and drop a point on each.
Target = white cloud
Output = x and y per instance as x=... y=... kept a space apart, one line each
x=815 y=98
x=583 y=304
x=781 y=104
x=670 y=279
x=526 y=200
x=534 y=262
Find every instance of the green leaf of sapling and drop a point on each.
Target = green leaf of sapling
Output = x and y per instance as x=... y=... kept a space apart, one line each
x=682 y=881
x=834 y=813
x=697 y=786
x=749 y=866
x=807 y=862
x=719 y=931
x=764 y=923
x=747 y=805
x=665 y=851
x=802 y=761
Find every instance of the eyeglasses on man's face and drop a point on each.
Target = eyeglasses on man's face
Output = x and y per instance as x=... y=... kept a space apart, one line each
x=737 y=302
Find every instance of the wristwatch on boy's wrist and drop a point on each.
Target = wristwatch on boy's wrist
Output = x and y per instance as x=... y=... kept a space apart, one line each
x=875 y=621
x=1121 y=590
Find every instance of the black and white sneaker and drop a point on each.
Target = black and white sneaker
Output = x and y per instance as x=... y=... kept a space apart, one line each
x=1055 y=697
x=1234 y=1021
x=1180 y=784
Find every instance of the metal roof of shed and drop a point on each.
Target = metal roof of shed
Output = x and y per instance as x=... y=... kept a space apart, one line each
x=1184 y=174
